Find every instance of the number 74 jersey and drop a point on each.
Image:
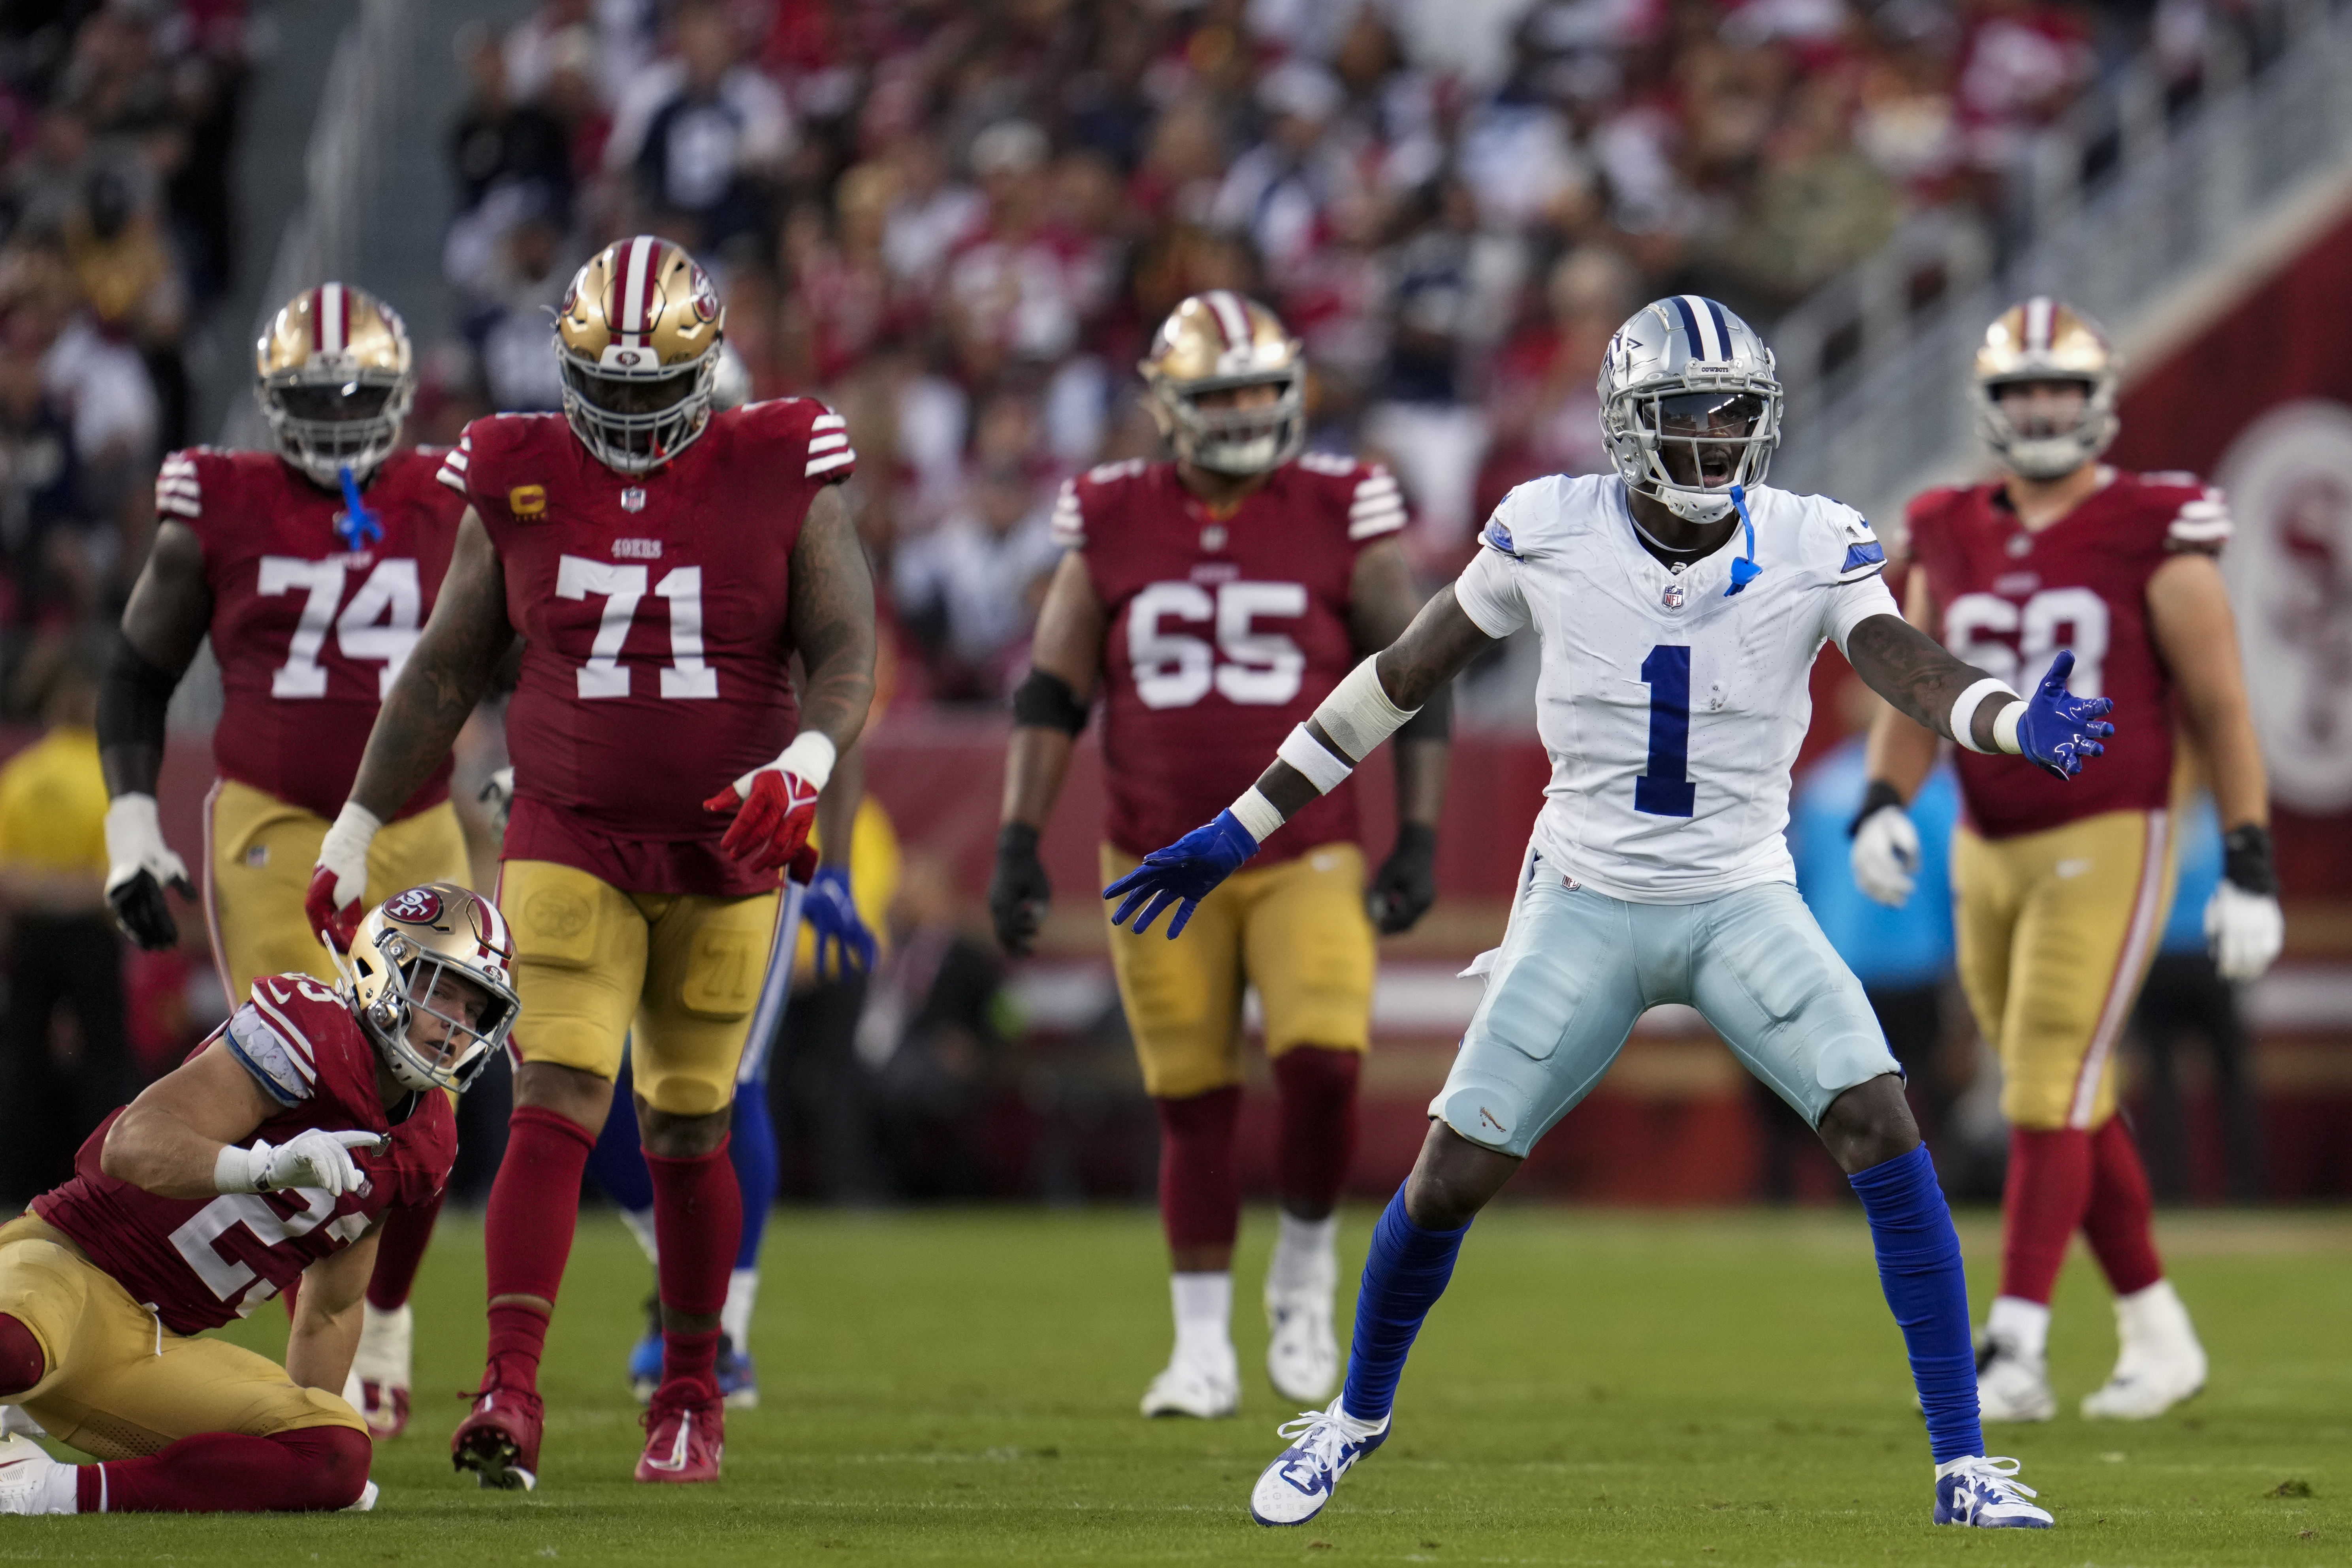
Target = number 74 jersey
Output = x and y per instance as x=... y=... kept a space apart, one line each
x=312 y=615
x=1672 y=706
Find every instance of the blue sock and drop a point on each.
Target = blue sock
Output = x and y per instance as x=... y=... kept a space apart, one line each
x=1404 y=1274
x=1920 y=1268
x=752 y=1148
x=617 y=1162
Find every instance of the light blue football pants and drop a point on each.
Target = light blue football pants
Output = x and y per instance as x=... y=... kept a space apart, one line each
x=1577 y=968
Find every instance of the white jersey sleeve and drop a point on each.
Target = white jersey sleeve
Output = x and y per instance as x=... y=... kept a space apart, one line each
x=1858 y=590
x=1488 y=589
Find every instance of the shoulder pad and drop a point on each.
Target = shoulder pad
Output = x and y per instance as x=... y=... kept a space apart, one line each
x=2202 y=523
x=1069 y=523
x=1377 y=506
x=178 y=486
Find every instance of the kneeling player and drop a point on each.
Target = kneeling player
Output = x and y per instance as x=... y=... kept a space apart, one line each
x=272 y=1154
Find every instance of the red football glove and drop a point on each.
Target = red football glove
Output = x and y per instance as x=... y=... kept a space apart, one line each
x=335 y=903
x=771 y=823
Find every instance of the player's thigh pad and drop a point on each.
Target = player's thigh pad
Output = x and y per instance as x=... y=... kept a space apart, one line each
x=579 y=965
x=2097 y=893
x=427 y=847
x=1563 y=995
x=1183 y=998
x=704 y=969
x=1770 y=983
x=1308 y=946
x=120 y=1385
x=259 y=851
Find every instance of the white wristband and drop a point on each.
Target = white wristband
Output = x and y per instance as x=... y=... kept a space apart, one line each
x=1313 y=759
x=1358 y=715
x=2004 y=728
x=234 y=1169
x=1257 y=814
x=1964 y=710
x=809 y=758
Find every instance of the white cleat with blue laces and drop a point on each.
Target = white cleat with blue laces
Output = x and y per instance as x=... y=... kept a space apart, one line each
x=1976 y=1490
x=1323 y=1445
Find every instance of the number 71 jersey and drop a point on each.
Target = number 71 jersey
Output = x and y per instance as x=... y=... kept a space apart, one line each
x=312 y=618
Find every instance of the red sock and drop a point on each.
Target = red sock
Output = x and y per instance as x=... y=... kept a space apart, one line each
x=697 y=1225
x=2120 y=1224
x=2049 y=1189
x=1200 y=1183
x=527 y=1234
x=305 y=1470
x=399 y=1251
x=1317 y=1140
x=22 y=1364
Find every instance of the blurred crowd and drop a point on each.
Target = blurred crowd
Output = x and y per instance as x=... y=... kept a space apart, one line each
x=960 y=223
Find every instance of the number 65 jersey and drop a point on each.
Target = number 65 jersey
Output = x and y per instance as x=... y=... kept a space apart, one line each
x=656 y=609
x=1672 y=708
x=1222 y=633
x=309 y=626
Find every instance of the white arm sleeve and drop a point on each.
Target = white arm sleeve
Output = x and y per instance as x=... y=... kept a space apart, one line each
x=1488 y=591
x=1850 y=604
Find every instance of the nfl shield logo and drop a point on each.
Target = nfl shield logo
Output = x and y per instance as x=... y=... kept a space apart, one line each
x=633 y=500
x=1673 y=597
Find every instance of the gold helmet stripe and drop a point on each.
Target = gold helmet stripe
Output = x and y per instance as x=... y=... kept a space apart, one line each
x=1233 y=317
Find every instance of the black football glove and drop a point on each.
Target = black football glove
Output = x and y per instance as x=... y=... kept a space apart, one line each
x=141 y=909
x=1018 y=891
x=1406 y=884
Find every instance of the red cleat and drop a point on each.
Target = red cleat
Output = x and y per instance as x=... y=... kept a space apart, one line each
x=499 y=1441
x=686 y=1431
x=384 y=1408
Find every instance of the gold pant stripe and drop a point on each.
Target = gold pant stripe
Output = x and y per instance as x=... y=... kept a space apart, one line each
x=2131 y=967
x=258 y=851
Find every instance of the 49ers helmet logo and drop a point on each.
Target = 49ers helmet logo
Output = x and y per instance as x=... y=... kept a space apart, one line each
x=417 y=906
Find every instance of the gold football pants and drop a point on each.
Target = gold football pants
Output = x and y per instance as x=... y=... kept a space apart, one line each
x=1297 y=931
x=2054 y=932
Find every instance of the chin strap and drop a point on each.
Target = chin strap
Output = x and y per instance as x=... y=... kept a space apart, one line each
x=357 y=526
x=1743 y=571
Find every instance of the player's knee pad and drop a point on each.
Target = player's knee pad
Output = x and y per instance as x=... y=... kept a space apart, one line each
x=23 y=1363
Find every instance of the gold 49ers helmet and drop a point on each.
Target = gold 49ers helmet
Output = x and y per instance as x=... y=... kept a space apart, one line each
x=637 y=336
x=2046 y=340
x=405 y=949
x=334 y=375
x=1220 y=342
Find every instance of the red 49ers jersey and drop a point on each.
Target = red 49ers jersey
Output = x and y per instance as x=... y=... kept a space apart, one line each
x=1224 y=634
x=309 y=630
x=202 y=1261
x=2010 y=600
x=655 y=608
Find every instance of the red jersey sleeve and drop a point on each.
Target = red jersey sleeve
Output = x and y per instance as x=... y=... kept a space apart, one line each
x=2196 y=515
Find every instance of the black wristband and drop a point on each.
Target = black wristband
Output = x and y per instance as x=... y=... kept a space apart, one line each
x=2246 y=858
x=1016 y=838
x=1047 y=701
x=1875 y=799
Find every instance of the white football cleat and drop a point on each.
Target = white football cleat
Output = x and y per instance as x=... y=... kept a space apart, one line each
x=2012 y=1386
x=14 y=1419
x=2161 y=1363
x=1198 y=1385
x=366 y=1503
x=24 y=1471
x=1324 y=1446
x=1975 y=1490
x=1302 y=1354
x=381 y=1368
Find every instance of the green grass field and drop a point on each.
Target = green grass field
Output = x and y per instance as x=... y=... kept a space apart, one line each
x=1596 y=1388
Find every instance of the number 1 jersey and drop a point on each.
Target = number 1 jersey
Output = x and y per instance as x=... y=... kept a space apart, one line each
x=656 y=609
x=1222 y=634
x=1673 y=710
x=311 y=626
x=2011 y=599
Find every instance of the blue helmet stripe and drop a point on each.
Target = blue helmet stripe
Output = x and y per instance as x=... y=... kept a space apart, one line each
x=1722 y=330
x=1690 y=327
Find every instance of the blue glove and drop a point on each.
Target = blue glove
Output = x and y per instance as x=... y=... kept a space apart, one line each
x=2056 y=731
x=843 y=943
x=1187 y=869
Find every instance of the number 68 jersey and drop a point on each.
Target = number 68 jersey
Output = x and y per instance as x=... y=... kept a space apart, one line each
x=1673 y=708
x=309 y=626
x=1222 y=633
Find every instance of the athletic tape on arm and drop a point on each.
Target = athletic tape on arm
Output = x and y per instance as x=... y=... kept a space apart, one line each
x=1358 y=715
x=1964 y=710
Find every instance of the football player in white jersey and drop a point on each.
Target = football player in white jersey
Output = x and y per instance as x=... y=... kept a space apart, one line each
x=1679 y=606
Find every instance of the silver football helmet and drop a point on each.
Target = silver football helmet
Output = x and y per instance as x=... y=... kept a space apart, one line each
x=1685 y=374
